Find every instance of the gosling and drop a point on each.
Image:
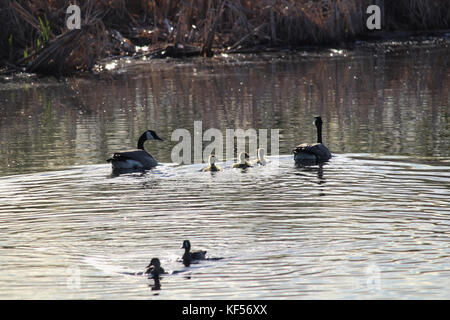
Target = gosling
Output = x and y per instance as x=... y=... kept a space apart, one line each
x=243 y=162
x=212 y=164
x=261 y=157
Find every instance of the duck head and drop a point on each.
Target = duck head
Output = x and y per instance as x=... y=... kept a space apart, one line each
x=186 y=245
x=154 y=267
x=154 y=263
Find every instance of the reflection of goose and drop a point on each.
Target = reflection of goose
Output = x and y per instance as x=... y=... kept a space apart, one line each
x=189 y=255
x=136 y=159
x=212 y=164
x=314 y=152
x=243 y=163
x=261 y=158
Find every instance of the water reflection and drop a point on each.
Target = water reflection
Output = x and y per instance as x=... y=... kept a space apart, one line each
x=387 y=104
x=282 y=232
x=311 y=166
x=156 y=285
x=370 y=223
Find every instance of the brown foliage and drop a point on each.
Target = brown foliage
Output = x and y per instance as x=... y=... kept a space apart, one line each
x=208 y=25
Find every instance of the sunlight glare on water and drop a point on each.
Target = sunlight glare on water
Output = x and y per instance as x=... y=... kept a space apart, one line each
x=372 y=223
x=282 y=232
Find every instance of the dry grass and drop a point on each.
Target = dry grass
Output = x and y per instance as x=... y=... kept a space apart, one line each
x=34 y=34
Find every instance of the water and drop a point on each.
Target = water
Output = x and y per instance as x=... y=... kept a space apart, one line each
x=372 y=223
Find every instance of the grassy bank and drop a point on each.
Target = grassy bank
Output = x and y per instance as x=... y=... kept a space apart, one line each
x=35 y=37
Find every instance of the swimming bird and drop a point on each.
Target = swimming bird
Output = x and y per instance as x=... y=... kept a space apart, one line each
x=212 y=164
x=243 y=163
x=189 y=255
x=136 y=159
x=154 y=268
x=261 y=159
x=313 y=152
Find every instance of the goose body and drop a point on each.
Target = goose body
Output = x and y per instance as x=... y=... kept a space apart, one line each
x=189 y=255
x=313 y=152
x=136 y=159
x=243 y=163
x=212 y=164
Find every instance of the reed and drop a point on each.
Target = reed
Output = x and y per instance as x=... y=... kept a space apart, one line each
x=34 y=34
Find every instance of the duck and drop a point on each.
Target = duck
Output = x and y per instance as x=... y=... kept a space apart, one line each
x=243 y=163
x=261 y=160
x=212 y=164
x=154 y=268
x=313 y=152
x=136 y=159
x=189 y=255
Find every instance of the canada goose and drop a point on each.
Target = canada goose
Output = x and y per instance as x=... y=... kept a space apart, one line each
x=212 y=164
x=136 y=159
x=243 y=163
x=314 y=152
x=189 y=255
x=154 y=268
x=261 y=159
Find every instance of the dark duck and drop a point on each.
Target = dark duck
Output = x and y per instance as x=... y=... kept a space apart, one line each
x=190 y=256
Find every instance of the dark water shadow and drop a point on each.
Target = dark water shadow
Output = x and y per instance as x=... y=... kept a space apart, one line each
x=314 y=167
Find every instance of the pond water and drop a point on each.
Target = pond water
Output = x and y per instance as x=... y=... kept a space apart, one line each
x=374 y=222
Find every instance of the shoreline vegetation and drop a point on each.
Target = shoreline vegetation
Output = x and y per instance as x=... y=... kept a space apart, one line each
x=35 y=37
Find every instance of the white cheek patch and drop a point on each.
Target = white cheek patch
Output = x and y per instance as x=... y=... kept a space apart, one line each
x=149 y=136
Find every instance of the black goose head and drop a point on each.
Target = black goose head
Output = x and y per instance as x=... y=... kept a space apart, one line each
x=317 y=121
x=151 y=135
x=147 y=135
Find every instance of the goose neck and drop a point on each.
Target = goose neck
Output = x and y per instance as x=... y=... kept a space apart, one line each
x=141 y=141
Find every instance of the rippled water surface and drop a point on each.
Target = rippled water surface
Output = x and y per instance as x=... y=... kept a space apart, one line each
x=374 y=222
